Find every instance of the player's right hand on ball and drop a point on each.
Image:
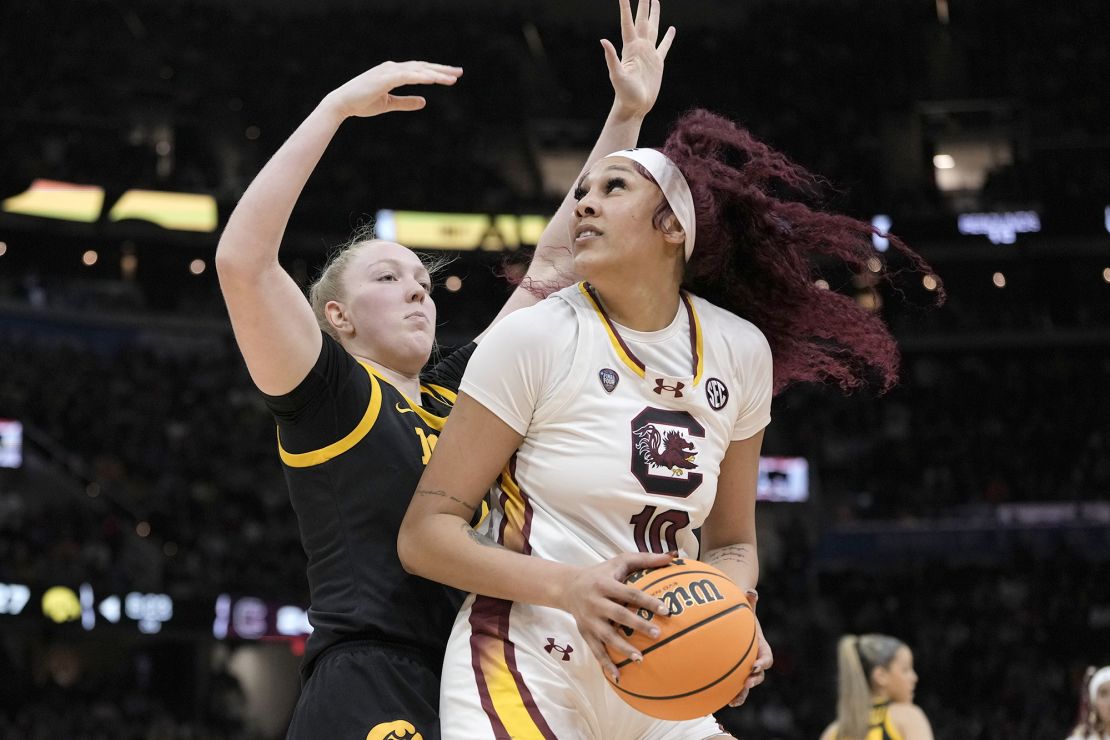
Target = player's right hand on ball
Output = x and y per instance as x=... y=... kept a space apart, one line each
x=600 y=601
x=371 y=93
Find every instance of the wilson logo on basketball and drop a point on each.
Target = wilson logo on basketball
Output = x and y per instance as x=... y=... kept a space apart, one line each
x=680 y=598
x=694 y=593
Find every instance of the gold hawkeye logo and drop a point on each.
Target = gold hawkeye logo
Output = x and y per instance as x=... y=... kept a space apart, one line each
x=396 y=730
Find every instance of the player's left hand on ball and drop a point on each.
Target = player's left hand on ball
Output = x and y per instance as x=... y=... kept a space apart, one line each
x=600 y=602
x=763 y=661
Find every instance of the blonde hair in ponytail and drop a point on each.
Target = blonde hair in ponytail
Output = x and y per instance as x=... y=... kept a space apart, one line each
x=856 y=657
x=853 y=706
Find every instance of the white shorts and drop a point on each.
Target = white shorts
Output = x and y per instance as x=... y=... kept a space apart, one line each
x=524 y=671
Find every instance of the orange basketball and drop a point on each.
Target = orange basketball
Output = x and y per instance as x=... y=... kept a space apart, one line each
x=705 y=649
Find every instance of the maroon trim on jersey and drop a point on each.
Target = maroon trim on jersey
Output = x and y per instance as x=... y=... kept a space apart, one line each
x=528 y=511
x=526 y=528
x=489 y=623
x=693 y=334
x=613 y=328
x=484 y=625
x=628 y=350
x=525 y=693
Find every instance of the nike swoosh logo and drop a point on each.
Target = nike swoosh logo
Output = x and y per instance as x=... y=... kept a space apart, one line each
x=402 y=410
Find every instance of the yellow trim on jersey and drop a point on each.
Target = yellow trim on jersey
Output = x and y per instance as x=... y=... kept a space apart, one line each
x=880 y=725
x=884 y=724
x=484 y=516
x=613 y=338
x=446 y=393
x=514 y=511
x=697 y=340
x=335 y=449
x=435 y=422
x=508 y=704
x=891 y=730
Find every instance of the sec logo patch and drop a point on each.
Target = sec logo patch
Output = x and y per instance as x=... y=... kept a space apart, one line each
x=716 y=393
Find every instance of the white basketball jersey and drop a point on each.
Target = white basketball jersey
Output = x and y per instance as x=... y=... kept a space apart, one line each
x=617 y=457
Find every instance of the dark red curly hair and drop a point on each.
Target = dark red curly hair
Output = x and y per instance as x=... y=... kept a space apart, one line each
x=758 y=250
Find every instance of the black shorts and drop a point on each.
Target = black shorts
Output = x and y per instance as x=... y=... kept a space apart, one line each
x=367 y=690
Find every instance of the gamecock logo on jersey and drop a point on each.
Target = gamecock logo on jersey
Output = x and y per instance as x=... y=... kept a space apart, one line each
x=664 y=452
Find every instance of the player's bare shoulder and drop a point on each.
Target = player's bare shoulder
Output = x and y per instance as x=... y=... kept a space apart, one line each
x=726 y=325
x=547 y=320
x=911 y=720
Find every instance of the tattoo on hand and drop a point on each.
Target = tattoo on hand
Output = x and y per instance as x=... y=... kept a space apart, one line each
x=444 y=494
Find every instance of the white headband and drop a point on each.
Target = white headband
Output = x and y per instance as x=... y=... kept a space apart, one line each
x=1101 y=677
x=674 y=186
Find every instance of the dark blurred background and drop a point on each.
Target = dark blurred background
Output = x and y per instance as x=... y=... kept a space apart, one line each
x=151 y=578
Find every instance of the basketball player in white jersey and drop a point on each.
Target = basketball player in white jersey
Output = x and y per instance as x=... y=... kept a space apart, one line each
x=622 y=414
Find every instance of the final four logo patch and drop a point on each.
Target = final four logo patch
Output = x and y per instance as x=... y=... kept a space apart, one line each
x=608 y=379
x=716 y=393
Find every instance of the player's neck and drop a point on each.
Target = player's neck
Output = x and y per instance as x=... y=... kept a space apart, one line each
x=640 y=306
x=407 y=384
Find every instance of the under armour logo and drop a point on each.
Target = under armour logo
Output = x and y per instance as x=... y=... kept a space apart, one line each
x=551 y=646
x=676 y=389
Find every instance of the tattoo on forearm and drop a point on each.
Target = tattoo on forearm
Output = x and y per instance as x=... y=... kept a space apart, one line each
x=735 y=554
x=482 y=539
x=443 y=494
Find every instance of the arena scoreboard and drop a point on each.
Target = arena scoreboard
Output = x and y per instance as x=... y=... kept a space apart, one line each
x=81 y=607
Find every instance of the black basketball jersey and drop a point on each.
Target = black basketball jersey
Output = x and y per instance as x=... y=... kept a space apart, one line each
x=353 y=448
x=882 y=724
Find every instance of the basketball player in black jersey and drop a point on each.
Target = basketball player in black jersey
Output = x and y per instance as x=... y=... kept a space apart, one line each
x=358 y=417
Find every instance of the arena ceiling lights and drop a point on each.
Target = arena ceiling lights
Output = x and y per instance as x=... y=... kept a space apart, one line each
x=85 y=203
